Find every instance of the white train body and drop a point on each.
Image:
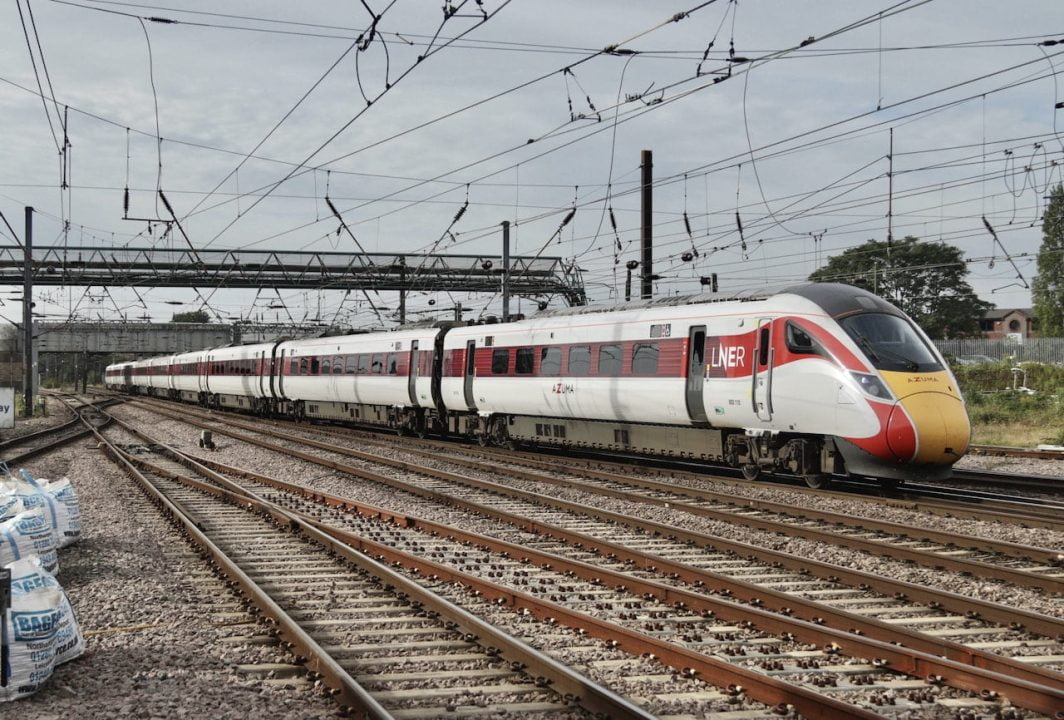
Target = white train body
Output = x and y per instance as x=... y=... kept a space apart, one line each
x=816 y=379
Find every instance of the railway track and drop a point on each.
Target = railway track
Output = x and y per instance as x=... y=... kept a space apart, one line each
x=936 y=499
x=1021 y=565
x=385 y=646
x=19 y=450
x=1011 y=481
x=764 y=580
x=1005 y=451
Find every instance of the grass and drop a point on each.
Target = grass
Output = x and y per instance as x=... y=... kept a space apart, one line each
x=1001 y=416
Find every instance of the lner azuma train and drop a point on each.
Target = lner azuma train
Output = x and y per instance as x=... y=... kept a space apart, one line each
x=815 y=380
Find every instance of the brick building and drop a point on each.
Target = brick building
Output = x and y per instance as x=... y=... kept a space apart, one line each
x=1001 y=322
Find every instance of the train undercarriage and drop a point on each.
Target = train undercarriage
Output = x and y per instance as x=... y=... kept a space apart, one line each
x=815 y=459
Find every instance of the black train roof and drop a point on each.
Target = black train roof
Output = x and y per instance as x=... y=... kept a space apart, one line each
x=839 y=300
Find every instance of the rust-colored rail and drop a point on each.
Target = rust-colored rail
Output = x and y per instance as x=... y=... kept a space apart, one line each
x=562 y=679
x=760 y=687
x=914 y=653
x=959 y=604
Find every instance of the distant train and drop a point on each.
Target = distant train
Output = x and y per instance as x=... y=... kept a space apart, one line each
x=815 y=380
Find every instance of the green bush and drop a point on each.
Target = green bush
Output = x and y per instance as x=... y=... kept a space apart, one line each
x=1002 y=416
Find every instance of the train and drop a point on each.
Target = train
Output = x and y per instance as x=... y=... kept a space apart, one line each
x=817 y=380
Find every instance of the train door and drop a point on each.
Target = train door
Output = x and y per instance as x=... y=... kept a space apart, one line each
x=437 y=373
x=762 y=370
x=696 y=374
x=411 y=384
x=208 y=366
x=470 y=369
x=276 y=372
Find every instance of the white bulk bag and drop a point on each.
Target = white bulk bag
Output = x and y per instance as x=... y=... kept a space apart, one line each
x=29 y=576
x=28 y=533
x=67 y=511
x=32 y=623
x=10 y=505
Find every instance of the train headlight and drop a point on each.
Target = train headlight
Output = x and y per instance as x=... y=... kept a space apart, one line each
x=872 y=385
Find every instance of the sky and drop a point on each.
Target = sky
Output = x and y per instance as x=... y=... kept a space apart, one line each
x=514 y=107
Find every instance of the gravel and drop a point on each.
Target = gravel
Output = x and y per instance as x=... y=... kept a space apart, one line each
x=155 y=646
x=243 y=455
x=238 y=453
x=57 y=415
x=1032 y=466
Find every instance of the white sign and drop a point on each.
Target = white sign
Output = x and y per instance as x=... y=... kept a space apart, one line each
x=7 y=407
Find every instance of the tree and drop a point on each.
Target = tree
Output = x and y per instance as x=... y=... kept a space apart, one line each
x=927 y=281
x=1048 y=287
x=192 y=316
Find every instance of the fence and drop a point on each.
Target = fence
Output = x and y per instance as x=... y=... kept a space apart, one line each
x=1043 y=350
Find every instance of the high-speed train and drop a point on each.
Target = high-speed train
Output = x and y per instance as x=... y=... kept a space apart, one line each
x=815 y=380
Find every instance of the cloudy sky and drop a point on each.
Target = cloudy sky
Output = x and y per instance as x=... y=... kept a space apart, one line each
x=263 y=107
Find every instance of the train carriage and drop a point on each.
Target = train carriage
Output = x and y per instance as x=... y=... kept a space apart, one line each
x=812 y=380
x=238 y=376
x=187 y=376
x=380 y=378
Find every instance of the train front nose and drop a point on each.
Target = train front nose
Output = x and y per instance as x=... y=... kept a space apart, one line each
x=929 y=423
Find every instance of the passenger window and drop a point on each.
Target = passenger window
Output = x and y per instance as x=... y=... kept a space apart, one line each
x=338 y=365
x=377 y=365
x=610 y=362
x=525 y=361
x=500 y=361
x=799 y=341
x=393 y=364
x=363 y=364
x=550 y=361
x=325 y=366
x=762 y=355
x=645 y=359
x=350 y=364
x=580 y=361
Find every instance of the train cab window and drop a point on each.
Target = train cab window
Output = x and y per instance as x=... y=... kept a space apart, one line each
x=326 y=365
x=890 y=343
x=645 y=359
x=525 y=361
x=550 y=361
x=500 y=361
x=338 y=365
x=579 y=360
x=377 y=365
x=610 y=361
x=393 y=364
x=363 y=363
x=799 y=341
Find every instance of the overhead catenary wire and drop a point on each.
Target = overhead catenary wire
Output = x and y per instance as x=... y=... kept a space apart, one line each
x=466 y=237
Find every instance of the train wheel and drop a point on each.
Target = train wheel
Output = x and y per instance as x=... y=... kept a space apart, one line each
x=751 y=471
x=817 y=481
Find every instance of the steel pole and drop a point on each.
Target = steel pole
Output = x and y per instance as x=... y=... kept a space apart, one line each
x=647 y=237
x=27 y=315
x=506 y=271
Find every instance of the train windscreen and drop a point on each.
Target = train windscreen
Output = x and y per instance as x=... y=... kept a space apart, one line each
x=890 y=342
